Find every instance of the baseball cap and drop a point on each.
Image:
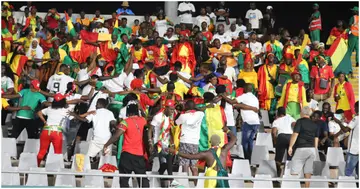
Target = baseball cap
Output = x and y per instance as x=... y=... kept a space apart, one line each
x=36 y=84
x=58 y=97
x=170 y=103
x=269 y=7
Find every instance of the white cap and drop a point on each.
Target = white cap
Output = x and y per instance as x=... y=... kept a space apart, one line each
x=135 y=66
x=269 y=7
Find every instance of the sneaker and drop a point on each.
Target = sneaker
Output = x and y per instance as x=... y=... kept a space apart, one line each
x=174 y=184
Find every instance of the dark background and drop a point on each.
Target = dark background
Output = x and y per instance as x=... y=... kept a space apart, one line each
x=290 y=15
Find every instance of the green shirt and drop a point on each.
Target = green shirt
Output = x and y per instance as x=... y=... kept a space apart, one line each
x=30 y=99
x=126 y=30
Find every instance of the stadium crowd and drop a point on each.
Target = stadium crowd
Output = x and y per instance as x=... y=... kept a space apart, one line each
x=179 y=92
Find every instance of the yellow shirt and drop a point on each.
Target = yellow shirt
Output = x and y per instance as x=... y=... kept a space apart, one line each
x=230 y=61
x=269 y=86
x=4 y=103
x=62 y=53
x=26 y=41
x=343 y=102
x=249 y=77
x=184 y=51
x=85 y=21
x=293 y=95
x=180 y=89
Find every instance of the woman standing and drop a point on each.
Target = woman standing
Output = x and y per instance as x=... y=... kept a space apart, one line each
x=52 y=130
x=161 y=24
x=344 y=97
x=249 y=75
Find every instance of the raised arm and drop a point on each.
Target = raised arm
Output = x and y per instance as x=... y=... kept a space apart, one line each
x=11 y=96
x=232 y=141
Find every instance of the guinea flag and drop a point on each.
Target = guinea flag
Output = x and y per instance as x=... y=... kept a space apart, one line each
x=340 y=56
x=94 y=37
x=70 y=25
x=16 y=67
x=213 y=123
x=196 y=91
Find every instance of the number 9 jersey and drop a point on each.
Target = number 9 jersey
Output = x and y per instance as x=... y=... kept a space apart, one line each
x=58 y=83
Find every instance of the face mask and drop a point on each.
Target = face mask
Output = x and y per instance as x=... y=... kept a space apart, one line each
x=338 y=116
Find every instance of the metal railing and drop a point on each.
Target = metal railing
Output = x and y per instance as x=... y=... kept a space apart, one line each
x=153 y=177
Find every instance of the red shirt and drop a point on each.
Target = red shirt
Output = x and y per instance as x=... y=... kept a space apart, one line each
x=326 y=73
x=133 y=128
x=52 y=22
x=236 y=43
x=208 y=35
x=227 y=83
x=145 y=101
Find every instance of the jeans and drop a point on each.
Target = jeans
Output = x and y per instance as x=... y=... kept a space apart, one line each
x=233 y=130
x=248 y=134
x=352 y=162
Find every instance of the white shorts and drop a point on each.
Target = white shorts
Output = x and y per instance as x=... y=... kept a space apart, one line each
x=95 y=148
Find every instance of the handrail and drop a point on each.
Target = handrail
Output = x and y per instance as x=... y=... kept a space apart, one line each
x=178 y=176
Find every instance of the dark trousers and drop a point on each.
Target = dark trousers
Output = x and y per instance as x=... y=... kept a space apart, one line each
x=282 y=144
x=30 y=125
x=130 y=163
x=248 y=134
x=4 y=113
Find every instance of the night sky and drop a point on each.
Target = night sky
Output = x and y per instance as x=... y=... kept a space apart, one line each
x=290 y=15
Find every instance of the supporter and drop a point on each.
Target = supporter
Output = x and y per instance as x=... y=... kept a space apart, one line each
x=25 y=118
x=190 y=122
x=336 y=135
x=170 y=37
x=222 y=14
x=215 y=156
x=203 y=18
x=28 y=74
x=305 y=141
x=35 y=52
x=313 y=104
x=57 y=83
x=22 y=20
x=82 y=21
x=184 y=53
x=233 y=33
x=274 y=46
x=248 y=31
x=17 y=60
x=323 y=130
x=352 y=156
x=201 y=50
x=161 y=24
x=221 y=90
x=269 y=19
x=249 y=75
x=185 y=12
x=26 y=41
x=221 y=35
x=254 y=17
x=53 y=126
x=52 y=18
x=125 y=9
x=103 y=120
x=322 y=80
x=211 y=82
x=256 y=49
x=229 y=72
x=46 y=42
x=288 y=66
x=293 y=96
x=135 y=28
x=212 y=16
x=123 y=29
x=321 y=50
x=267 y=75
x=282 y=129
x=99 y=27
x=239 y=25
x=180 y=74
x=338 y=31
x=161 y=124
x=344 y=97
x=159 y=53
x=97 y=17
x=326 y=111
x=219 y=50
x=354 y=35
x=303 y=68
x=315 y=24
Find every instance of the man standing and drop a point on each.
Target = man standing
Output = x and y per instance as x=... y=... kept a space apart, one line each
x=190 y=122
x=315 y=24
x=293 y=96
x=254 y=17
x=203 y=18
x=222 y=14
x=305 y=140
x=125 y=9
x=185 y=12
x=184 y=53
x=354 y=35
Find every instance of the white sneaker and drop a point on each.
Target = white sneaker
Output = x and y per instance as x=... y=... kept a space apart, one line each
x=174 y=184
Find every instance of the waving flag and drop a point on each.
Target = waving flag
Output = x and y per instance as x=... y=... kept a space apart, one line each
x=94 y=37
x=340 y=56
x=70 y=25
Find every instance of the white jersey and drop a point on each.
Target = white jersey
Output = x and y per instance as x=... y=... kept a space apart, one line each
x=58 y=83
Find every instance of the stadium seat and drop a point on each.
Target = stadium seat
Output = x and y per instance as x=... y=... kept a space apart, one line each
x=183 y=182
x=87 y=164
x=27 y=161
x=346 y=184
x=266 y=140
x=237 y=150
x=22 y=137
x=265 y=118
x=54 y=162
x=241 y=167
x=115 y=181
x=64 y=148
x=321 y=168
x=155 y=182
x=239 y=138
x=81 y=147
x=8 y=145
x=32 y=146
x=10 y=179
x=236 y=183
x=156 y=165
x=290 y=184
x=318 y=184
x=200 y=182
x=90 y=135
x=107 y=159
x=37 y=179
x=287 y=170
x=5 y=161
x=334 y=156
x=267 y=167
x=263 y=184
x=65 y=180
x=93 y=181
x=258 y=154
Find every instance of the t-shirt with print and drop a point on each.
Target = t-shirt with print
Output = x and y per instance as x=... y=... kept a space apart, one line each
x=157 y=121
x=133 y=128
x=190 y=123
x=31 y=99
x=101 y=123
x=325 y=73
x=56 y=117
x=308 y=131
x=283 y=124
x=58 y=83
x=254 y=16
